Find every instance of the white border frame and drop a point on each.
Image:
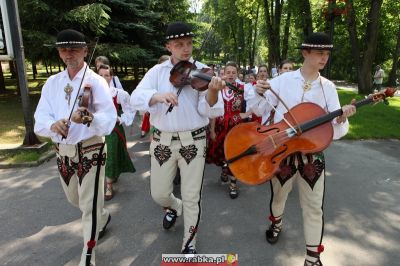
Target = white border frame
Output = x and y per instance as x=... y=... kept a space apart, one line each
x=7 y=33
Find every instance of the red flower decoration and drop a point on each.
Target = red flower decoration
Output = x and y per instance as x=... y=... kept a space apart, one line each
x=320 y=249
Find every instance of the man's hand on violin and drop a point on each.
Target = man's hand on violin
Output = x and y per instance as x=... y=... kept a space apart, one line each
x=262 y=86
x=216 y=84
x=80 y=114
x=60 y=127
x=348 y=110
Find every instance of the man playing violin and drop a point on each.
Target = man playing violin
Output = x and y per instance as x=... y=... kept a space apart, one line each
x=308 y=170
x=80 y=148
x=179 y=139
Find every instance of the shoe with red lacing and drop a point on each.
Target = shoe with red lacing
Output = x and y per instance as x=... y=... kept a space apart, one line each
x=273 y=232
x=314 y=254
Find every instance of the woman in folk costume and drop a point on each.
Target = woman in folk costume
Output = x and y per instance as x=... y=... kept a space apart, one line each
x=220 y=126
x=307 y=170
x=118 y=159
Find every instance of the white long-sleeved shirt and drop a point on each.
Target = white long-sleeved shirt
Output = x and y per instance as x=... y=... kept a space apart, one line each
x=193 y=110
x=289 y=86
x=53 y=106
x=123 y=98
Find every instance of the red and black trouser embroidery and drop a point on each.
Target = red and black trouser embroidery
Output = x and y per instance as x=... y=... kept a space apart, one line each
x=310 y=167
x=68 y=168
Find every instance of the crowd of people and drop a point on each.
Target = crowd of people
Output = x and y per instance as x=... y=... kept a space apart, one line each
x=187 y=127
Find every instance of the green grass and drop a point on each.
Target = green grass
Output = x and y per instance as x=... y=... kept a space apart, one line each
x=12 y=126
x=28 y=156
x=23 y=155
x=378 y=121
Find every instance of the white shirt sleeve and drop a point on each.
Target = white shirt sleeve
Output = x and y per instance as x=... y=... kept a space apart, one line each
x=44 y=117
x=206 y=110
x=141 y=96
x=128 y=115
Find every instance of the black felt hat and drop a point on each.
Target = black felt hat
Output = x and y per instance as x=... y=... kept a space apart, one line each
x=317 y=41
x=178 y=30
x=70 y=38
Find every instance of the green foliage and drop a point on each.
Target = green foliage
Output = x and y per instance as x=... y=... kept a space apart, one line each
x=93 y=15
x=134 y=27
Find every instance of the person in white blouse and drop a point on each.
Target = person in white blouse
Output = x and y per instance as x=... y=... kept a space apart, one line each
x=80 y=148
x=118 y=159
x=180 y=135
x=303 y=85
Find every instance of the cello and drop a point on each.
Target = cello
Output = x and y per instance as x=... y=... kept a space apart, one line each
x=254 y=152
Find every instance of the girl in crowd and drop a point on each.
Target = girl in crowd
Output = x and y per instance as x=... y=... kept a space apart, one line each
x=102 y=60
x=118 y=159
x=286 y=66
x=220 y=126
x=262 y=73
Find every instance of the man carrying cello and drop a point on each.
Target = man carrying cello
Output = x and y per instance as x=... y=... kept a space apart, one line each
x=179 y=139
x=304 y=85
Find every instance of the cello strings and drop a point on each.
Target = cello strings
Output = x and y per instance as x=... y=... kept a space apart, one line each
x=276 y=140
x=283 y=117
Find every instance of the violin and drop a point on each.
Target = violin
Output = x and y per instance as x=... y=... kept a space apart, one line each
x=264 y=147
x=84 y=101
x=185 y=73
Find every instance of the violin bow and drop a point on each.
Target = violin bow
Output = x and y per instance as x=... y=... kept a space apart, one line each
x=80 y=85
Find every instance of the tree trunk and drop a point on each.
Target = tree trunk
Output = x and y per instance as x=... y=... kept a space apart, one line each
x=285 y=42
x=307 y=27
x=34 y=70
x=371 y=39
x=253 y=46
x=136 y=73
x=395 y=58
x=47 y=69
x=330 y=30
x=2 y=83
x=273 y=22
x=354 y=42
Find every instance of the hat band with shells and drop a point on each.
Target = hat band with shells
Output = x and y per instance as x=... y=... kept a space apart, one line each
x=71 y=42
x=320 y=46
x=174 y=36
